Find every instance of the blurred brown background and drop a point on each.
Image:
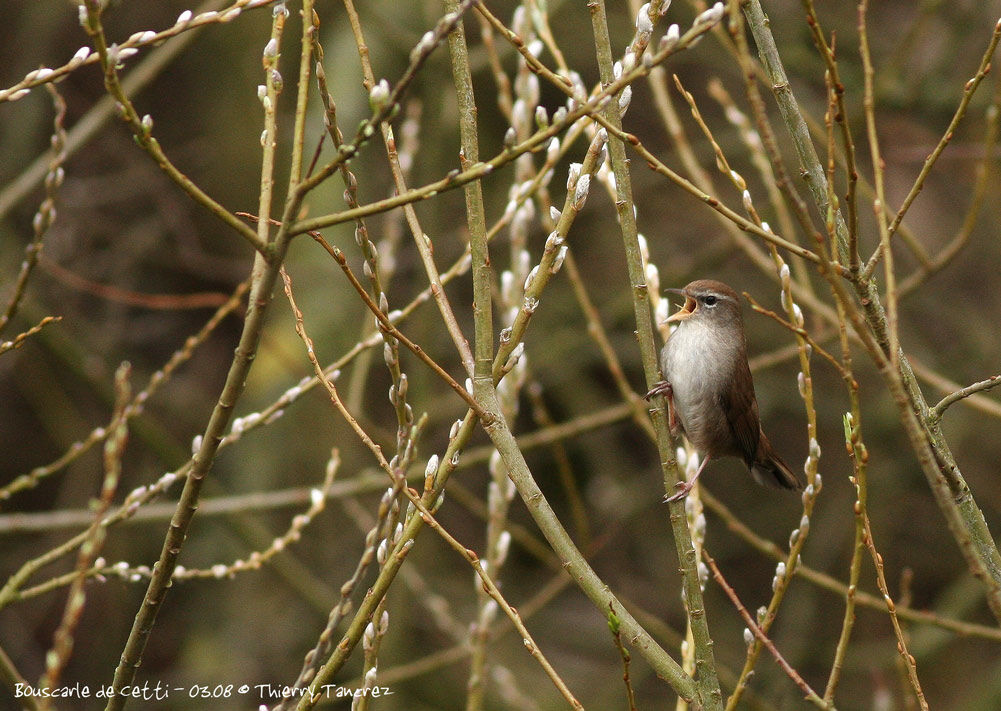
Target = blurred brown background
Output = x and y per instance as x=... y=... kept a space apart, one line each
x=122 y=223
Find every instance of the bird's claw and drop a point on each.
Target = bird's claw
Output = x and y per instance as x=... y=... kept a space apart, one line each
x=664 y=388
x=683 y=489
x=660 y=388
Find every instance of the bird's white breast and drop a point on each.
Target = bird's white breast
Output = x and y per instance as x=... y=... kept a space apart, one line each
x=697 y=361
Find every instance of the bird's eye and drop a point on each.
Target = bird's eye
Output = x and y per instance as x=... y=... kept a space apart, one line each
x=709 y=300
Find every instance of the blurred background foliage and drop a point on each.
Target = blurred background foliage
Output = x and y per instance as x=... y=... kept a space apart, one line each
x=122 y=223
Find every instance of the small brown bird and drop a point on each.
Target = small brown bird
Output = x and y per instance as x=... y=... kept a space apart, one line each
x=709 y=388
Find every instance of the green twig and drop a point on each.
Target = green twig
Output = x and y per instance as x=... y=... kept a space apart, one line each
x=706 y=682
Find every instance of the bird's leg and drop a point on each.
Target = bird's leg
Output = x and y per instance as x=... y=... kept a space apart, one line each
x=664 y=388
x=684 y=487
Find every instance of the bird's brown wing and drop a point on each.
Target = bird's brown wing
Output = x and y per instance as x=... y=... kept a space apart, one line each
x=741 y=410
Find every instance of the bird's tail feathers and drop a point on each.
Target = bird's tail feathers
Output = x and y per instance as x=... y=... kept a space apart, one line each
x=769 y=469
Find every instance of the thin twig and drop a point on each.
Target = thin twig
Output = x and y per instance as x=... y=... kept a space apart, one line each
x=18 y=341
x=811 y=695
x=969 y=89
x=936 y=412
x=46 y=210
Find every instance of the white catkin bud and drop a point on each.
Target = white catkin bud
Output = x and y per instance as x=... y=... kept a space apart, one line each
x=554 y=213
x=644 y=249
x=541 y=117
x=368 y=637
x=494 y=465
x=510 y=137
x=617 y=70
x=624 y=98
x=709 y=17
x=573 y=174
x=580 y=194
x=748 y=637
x=531 y=277
x=700 y=526
x=489 y=613
x=507 y=286
x=692 y=465
x=681 y=454
x=518 y=112
x=553 y=241
x=661 y=312
x=814 y=448
x=382 y=552
x=817 y=481
x=524 y=262
x=801 y=384
x=196 y=444
x=432 y=466
x=670 y=38
x=643 y=22
x=454 y=430
x=553 y=149
x=271 y=50
x=804 y=524
x=561 y=255
x=516 y=354
x=379 y=94
x=652 y=278
x=503 y=546
x=797 y=313
x=39 y=74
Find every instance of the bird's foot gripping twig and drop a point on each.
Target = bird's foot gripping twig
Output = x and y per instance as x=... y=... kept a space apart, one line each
x=664 y=388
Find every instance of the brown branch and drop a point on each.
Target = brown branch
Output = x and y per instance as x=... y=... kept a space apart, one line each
x=811 y=695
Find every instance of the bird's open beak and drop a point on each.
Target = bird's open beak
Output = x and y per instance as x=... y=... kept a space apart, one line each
x=685 y=311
